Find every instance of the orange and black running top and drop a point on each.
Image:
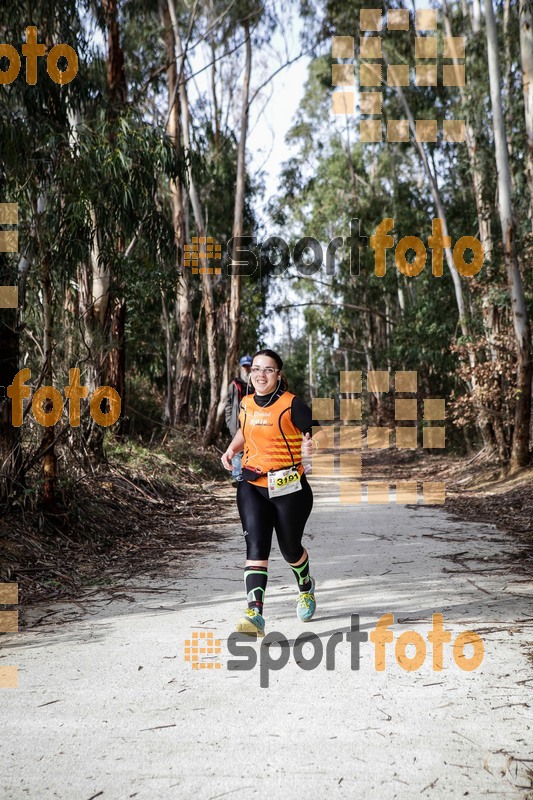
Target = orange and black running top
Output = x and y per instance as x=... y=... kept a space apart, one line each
x=272 y=426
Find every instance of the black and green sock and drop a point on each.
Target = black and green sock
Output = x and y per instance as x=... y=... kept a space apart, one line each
x=255 y=581
x=301 y=573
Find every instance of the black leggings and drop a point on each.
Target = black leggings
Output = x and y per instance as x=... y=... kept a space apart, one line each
x=260 y=515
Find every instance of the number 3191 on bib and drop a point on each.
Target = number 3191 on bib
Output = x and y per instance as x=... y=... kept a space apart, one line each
x=283 y=481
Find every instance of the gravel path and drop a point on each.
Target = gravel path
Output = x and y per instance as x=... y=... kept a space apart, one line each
x=107 y=705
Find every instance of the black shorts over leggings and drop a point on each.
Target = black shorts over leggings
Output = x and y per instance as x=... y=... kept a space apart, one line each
x=261 y=514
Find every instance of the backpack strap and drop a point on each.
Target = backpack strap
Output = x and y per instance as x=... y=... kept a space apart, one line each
x=238 y=385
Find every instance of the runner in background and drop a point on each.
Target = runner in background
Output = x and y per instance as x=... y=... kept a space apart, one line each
x=274 y=431
x=238 y=388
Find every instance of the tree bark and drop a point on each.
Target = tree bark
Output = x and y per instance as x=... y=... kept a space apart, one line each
x=170 y=364
x=483 y=218
x=508 y=111
x=10 y=437
x=116 y=77
x=94 y=281
x=207 y=280
x=116 y=371
x=178 y=408
x=47 y=443
x=525 y=11
x=478 y=179
x=232 y=352
x=117 y=88
x=476 y=16
x=463 y=323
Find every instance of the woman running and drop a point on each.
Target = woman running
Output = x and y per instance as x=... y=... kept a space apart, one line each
x=274 y=492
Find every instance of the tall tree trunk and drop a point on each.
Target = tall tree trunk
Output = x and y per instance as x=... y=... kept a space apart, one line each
x=526 y=57
x=478 y=178
x=214 y=93
x=117 y=88
x=183 y=383
x=178 y=409
x=170 y=365
x=116 y=370
x=508 y=110
x=116 y=77
x=93 y=297
x=232 y=352
x=207 y=280
x=463 y=322
x=91 y=308
x=400 y=279
x=47 y=443
x=476 y=16
x=10 y=437
x=483 y=218
x=520 y=448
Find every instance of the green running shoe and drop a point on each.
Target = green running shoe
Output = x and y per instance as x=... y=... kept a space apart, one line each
x=251 y=623
x=306 y=605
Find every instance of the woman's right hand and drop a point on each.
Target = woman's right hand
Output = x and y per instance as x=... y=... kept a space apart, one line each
x=226 y=459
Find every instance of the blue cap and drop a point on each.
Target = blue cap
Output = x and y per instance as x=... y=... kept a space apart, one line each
x=246 y=361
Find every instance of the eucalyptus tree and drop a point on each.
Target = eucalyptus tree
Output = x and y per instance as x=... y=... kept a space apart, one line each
x=33 y=147
x=520 y=450
x=200 y=198
x=525 y=11
x=235 y=28
x=80 y=178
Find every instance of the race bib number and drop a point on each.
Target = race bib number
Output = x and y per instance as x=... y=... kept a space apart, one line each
x=283 y=481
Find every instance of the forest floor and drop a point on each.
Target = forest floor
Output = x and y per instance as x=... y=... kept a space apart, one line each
x=113 y=521
x=476 y=490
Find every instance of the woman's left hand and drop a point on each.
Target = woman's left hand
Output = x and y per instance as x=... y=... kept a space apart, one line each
x=307 y=445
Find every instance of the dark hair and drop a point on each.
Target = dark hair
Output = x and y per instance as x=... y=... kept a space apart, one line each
x=277 y=358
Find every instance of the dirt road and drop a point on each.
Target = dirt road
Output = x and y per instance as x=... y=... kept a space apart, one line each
x=107 y=705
